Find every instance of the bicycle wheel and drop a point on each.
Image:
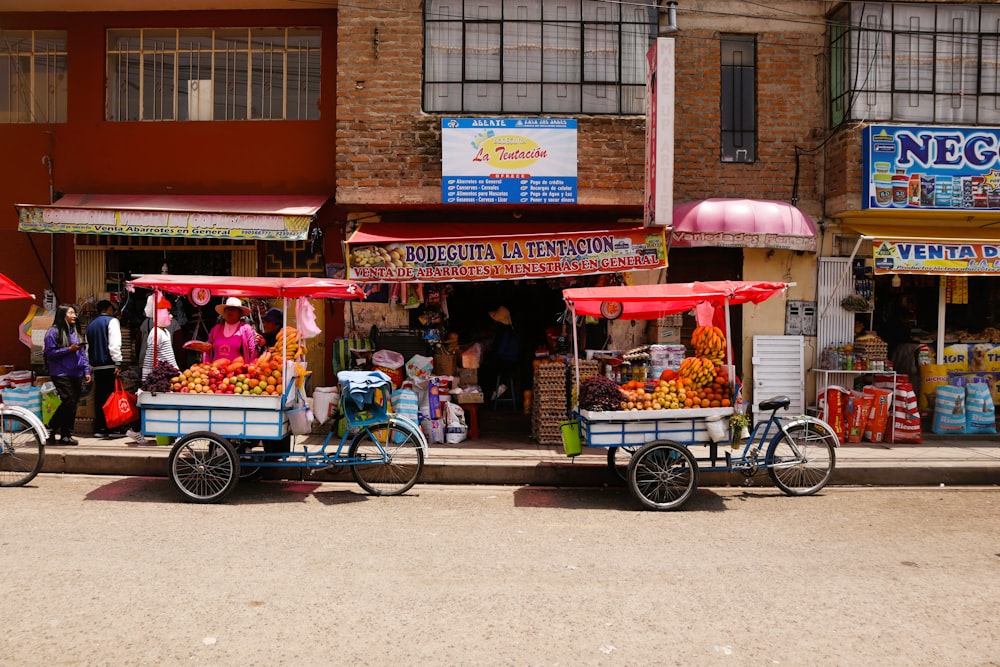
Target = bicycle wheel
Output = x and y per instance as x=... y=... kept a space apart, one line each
x=662 y=475
x=801 y=463
x=387 y=459
x=204 y=467
x=22 y=452
x=618 y=459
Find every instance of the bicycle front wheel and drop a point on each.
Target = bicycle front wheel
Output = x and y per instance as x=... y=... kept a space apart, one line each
x=22 y=452
x=801 y=462
x=662 y=475
x=387 y=459
x=618 y=459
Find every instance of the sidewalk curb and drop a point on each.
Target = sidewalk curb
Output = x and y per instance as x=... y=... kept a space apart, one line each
x=450 y=469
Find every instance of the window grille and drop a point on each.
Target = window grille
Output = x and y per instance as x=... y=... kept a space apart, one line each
x=739 y=98
x=916 y=62
x=213 y=74
x=535 y=56
x=33 y=76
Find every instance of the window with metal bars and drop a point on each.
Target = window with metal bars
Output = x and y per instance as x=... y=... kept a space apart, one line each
x=213 y=74
x=739 y=98
x=33 y=76
x=535 y=56
x=924 y=63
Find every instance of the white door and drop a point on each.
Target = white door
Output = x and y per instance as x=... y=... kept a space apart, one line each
x=779 y=370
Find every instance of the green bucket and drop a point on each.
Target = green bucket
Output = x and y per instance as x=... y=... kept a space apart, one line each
x=571 y=437
x=163 y=440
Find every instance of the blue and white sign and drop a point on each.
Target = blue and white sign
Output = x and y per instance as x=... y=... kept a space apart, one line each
x=931 y=167
x=508 y=161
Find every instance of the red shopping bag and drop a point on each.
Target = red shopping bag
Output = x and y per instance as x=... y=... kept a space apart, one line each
x=120 y=408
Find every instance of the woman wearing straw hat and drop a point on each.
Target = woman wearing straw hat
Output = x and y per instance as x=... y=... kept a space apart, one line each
x=232 y=337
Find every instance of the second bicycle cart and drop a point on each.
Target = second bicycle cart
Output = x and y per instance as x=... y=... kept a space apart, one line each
x=662 y=452
x=222 y=438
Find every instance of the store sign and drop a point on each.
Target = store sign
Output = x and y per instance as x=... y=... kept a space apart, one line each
x=508 y=161
x=199 y=224
x=936 y=258
x=936 y=168
x=507 y=257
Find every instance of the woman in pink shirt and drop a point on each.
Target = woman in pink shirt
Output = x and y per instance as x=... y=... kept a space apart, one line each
x=232 y=337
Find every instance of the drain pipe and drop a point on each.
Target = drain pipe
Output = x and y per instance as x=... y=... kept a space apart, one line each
x=671 y=26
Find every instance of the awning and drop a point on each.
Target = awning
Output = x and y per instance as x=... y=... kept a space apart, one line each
x=743 y=223
x=399 y=252
x=224 y=286
x=933 y=250
x=245 y=218
x=648 y=302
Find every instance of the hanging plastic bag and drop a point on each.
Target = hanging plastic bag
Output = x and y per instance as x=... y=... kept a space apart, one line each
x=120 y=408
x=305 y=319
x=50 y=401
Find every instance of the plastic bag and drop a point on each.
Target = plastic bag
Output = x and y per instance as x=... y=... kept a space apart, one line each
x=50 y=401
x=305 y=319
x=419 y=366
x=456 y=430
x=472 y=355
x=120 y=408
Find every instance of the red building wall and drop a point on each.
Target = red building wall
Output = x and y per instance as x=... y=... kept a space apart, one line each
x=91 y=155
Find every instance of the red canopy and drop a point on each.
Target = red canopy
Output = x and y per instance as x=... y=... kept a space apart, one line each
x=223 y=286
x=11 y=290
x=648 y=302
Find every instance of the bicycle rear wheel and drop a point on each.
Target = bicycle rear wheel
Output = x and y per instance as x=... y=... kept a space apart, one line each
x=203 y=467
x=22 y=452
x=801 y=462
x=662 y=475
x=387 y=458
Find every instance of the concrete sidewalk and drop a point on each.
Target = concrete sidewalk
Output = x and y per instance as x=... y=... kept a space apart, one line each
x=515 y=459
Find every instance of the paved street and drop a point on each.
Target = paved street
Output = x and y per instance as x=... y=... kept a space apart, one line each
x=113 y=570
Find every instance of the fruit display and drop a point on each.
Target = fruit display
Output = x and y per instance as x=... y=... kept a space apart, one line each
x=288 y=344
x=709 y=342
x=701 y=381
x=599 y=393
x=700 y=370
x=225 y=376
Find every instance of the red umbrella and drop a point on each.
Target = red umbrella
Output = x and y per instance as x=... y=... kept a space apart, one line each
x=11 y=290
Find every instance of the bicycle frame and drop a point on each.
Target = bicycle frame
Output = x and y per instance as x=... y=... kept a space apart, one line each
x=752 y=458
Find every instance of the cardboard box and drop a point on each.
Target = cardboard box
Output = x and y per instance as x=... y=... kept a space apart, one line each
x=468 y=377
x=471 y=397
x=86 y=409
x=660 y=335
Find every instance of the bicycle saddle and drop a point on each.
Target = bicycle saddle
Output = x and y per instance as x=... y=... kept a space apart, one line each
x=775 y=403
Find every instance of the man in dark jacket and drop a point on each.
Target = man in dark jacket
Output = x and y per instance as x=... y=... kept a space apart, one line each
x=104 y=345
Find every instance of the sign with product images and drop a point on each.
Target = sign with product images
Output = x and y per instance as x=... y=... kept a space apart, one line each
x=383 y=252
x=939 y=168
x=508 y=161
x=936 y=257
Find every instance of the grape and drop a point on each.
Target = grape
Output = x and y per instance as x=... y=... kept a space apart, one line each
x=159 y=378
x=600 y=393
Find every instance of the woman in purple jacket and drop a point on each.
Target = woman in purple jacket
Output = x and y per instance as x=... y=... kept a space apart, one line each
x=66 y=355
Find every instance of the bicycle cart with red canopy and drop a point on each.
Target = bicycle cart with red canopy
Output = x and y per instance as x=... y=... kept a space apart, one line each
x=662 y=471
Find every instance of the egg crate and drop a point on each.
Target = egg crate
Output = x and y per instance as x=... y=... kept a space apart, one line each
x=550 y=371
x=872 y=349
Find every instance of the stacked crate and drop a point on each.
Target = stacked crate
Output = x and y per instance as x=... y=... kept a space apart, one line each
x=588 y=368
x=548 y=403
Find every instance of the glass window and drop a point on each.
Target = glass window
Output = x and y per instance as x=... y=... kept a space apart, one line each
x=214 y=74
x=32 y=76
x=530 y=56
x=739 y=98
x=915 y=62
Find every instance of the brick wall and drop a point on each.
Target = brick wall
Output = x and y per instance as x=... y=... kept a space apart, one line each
x=389 y=151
